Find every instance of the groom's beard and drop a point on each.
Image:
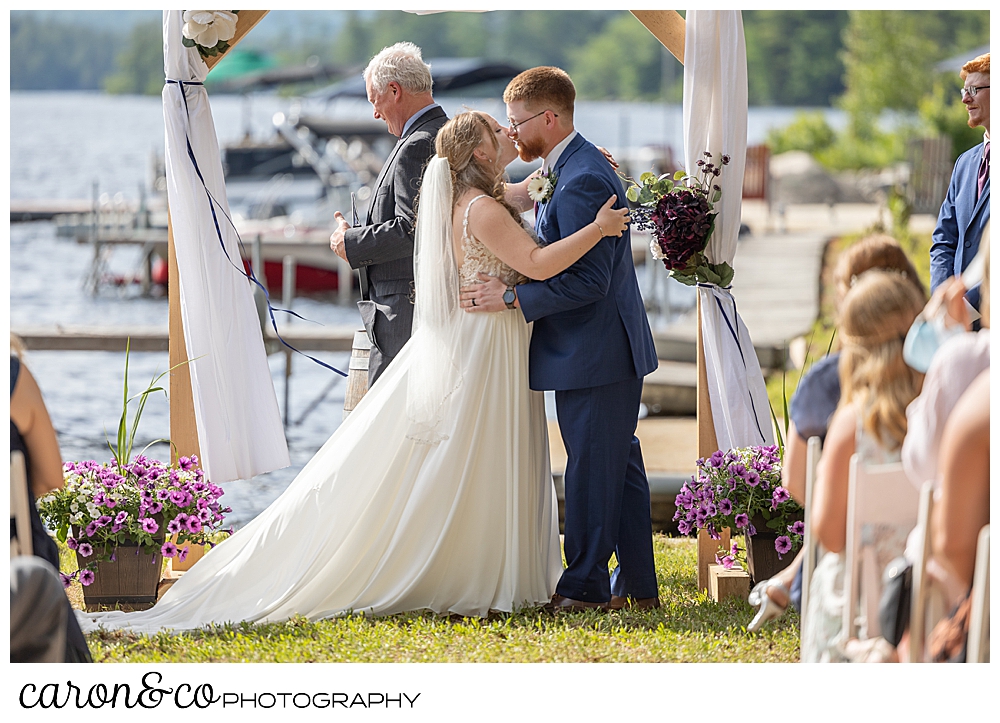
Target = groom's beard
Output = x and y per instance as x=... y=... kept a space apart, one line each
x=529 y=150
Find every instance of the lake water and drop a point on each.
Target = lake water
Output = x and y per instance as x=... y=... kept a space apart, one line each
x=63 y=143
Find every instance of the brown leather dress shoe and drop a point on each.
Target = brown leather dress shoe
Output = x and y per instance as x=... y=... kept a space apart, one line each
x=562 y=604
x=644 y=603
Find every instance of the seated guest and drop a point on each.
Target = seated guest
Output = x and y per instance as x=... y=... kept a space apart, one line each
x=32 y=433
x=870 y=421
x=959 y=359
x=813 y=403
x=38 y=612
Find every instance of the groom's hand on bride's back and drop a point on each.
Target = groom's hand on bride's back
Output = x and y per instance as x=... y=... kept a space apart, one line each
x=487 y=296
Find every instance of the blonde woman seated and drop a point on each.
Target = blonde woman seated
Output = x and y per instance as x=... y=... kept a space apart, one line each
x=813 y=404
x=876 y=386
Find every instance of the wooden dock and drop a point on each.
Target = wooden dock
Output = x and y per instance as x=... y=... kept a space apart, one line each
x=154 y=338
x=23 y=210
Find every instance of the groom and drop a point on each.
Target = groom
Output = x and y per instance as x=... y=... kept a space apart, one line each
x=591 y=343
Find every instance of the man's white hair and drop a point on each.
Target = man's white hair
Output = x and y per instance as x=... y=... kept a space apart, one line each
x=402 y=63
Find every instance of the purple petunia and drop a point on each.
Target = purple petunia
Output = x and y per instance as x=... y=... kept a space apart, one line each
x=742 y=520
x=72 y=543
x=155 y=507
x=173 y=526
x=193 y=524
x=162 y=494
x=783 y=545
x=168 y=549
x=91 y=529
x=121 y=517
x=797 y=528
x=684 y=527
x=65 y=579
x=711 y=510
x=183 y=553
x=85 y=550
x=86 y=577
x=149 y=525
x=727 y=562
x=779 y=495
x=726 y=506
x=752 y=478
x=104 y=520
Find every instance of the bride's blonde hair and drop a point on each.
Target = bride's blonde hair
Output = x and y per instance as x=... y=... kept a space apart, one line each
x=877 y=312
x=456 y=141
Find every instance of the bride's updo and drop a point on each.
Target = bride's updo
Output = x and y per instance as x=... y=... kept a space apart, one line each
x=456 y=141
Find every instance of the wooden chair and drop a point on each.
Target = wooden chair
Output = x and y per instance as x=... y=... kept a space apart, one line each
x=809 y=544
x=877 y=495
x=20 y=543
x=978 y=650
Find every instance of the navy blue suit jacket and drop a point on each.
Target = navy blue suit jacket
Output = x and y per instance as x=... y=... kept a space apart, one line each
x=590 y=323
x=960 y=222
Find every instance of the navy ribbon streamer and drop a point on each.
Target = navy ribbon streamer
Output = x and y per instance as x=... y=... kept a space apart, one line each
x=215 y=219
x=736 y=337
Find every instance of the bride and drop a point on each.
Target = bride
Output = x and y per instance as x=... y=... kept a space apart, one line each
x=435 y=493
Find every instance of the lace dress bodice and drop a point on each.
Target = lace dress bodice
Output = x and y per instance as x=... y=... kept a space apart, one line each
x=479 y=259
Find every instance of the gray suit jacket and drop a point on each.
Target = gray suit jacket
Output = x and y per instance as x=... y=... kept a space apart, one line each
x=385 y=243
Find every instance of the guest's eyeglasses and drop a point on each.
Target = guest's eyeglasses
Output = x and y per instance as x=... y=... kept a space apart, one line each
x=514 y=125
x=972 y=90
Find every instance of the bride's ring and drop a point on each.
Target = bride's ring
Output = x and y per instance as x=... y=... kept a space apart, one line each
x=473 y=302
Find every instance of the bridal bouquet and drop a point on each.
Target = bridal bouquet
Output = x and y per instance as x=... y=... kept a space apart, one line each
x=737 y=489
x=679 y=211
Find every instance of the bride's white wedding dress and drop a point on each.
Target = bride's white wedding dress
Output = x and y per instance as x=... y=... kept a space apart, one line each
x=434 y=494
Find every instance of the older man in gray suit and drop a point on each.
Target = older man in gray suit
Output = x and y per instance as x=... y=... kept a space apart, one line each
x=398 y=82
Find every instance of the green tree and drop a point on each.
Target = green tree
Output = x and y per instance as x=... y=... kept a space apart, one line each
x=793 y=57
x=636 y=76
x=46 y=54
x=140 y=62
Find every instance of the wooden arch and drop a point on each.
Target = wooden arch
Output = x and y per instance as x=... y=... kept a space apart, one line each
x=666 y=25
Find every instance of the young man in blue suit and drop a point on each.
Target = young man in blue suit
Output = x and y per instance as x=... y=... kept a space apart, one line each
x=966 y=208
x=591 y=343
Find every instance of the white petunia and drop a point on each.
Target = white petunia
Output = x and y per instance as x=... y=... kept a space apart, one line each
x=74 y=507
x=539 y=189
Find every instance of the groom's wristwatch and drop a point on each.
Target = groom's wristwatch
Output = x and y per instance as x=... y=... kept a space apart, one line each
x=509 y=297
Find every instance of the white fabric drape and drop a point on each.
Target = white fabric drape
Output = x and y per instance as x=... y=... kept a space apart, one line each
x=239 y=426
x=715 y=120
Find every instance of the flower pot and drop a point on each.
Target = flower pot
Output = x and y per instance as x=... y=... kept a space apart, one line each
x=195 y=553
x=128 y=582
x=762 y=559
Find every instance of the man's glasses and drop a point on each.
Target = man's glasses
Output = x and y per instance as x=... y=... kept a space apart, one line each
x=971 y=90
x=515 y=125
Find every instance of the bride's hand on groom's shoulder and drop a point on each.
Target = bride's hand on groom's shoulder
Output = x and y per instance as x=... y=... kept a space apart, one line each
x=607 y=154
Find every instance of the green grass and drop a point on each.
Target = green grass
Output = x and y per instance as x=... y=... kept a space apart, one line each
x=689 y=627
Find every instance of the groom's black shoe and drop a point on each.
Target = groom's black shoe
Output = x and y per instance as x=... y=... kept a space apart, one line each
x=562 y=604
x=643 y=603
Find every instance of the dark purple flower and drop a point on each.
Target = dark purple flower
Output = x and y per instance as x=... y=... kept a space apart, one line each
x=779 y=495
x=149 y=525
x=727 y=561
x=183 y=553
x=115 y=528
x=86 y=577
x=146 y=494
x=187 y=463
x=65 y=579
x=103 y=520
x=193 y=524
x=717 y=458
x=742 y=520
x=752 y=478
x=680 y=222
x=684 y=527
x=205 y=515
x=783 y=545
x=711 y=510
x=726 y=506
x=121 y=517
x=168 y=549
x=797 y=528
x=85 y=550
x=173 y=527
x=110 y=503
x=91 y=529
x=162 y=494
x=155 y=507
x=72 y=543
x=751 y=530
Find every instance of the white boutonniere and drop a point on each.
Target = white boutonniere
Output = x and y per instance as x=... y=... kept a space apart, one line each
x=542 y=186
x=209 y=30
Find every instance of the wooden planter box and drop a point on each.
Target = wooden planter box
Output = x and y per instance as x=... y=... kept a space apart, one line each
x=129 y=582
x=762 y=558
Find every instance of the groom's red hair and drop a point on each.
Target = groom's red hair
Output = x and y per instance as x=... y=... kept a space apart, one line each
x=543 y=86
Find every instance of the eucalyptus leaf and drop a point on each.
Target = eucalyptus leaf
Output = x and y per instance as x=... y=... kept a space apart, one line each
x=632 y=194
x=646 y=195
x=678 y=175
x=716 y=196
x=187 y=42
x=647 y=177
